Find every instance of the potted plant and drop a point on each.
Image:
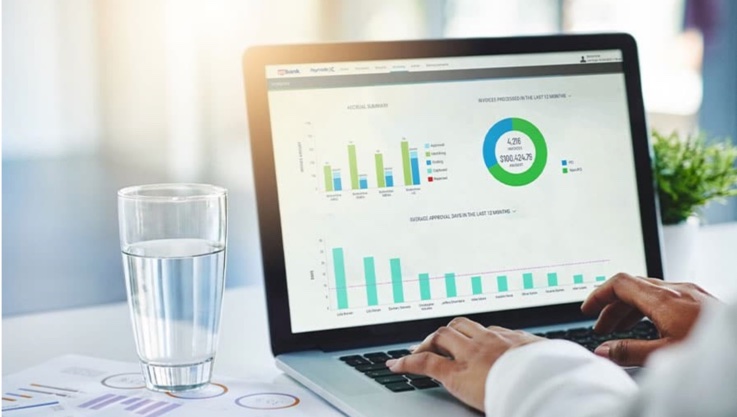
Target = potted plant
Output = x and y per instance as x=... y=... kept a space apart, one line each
x=689 y=174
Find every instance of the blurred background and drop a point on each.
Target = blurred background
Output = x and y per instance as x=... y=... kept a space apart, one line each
x=100 y=94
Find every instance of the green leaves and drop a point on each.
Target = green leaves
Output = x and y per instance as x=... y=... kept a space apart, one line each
x=691 y=173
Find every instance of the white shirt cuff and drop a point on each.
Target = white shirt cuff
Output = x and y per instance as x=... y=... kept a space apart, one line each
x=552 y=377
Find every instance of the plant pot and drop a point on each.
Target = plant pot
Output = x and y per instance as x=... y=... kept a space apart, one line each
x=680 y=242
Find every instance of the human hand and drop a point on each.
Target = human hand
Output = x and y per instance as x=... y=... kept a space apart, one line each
x=624 y=300
x=460 y=355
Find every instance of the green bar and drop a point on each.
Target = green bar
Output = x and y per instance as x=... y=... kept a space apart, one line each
x=527 y=278
x=328 y=173
x=476 y=285
x=501 y=283
x=450 y=285
x=578 y=279
x=380 y=176
x=353 y=166
x=340 y=287
x=397 y=289
x=406 y=164
x=370 y=272
x=600 y=278
x=552 y=279
x=425 y=286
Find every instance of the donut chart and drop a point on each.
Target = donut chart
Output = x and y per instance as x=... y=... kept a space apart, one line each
x=267 y=401
x=507 y=152
x=212 y=390
x=130 y=380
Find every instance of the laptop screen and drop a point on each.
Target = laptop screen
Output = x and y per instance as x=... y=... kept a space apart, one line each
x=421 y=188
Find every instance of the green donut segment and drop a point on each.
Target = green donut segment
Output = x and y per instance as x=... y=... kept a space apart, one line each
x=541 y=154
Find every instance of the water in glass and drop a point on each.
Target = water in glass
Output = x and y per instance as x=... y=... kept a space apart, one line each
x=175 y=289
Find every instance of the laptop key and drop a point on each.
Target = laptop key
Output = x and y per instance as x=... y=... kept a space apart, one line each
x=414 y=377
x=377 y=374
x=400 y=386
x=644 y=325
x=390 y=379
x=378 y=358
x=372 y=367
x=424 y=383
x=583 y=331
x=374 y=354
x=398 y=353
x=357 y=361
x=350 y=357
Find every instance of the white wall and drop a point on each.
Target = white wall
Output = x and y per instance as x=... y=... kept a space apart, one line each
x=132 y=55
x=50 y=78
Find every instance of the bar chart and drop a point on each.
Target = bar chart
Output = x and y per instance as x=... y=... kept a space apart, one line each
x=383 y=175
x=388 y=277
x=139 y=405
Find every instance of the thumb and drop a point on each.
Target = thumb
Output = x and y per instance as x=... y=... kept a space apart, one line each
x=629 y=352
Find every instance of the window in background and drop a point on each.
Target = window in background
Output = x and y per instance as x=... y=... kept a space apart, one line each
x=688 y=63
x=668 y=55
x=105 y=93
x=478 y=18
x=717 y=20
x=50 y=79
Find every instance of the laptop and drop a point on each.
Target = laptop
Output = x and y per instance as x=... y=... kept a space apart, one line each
x=401 y=184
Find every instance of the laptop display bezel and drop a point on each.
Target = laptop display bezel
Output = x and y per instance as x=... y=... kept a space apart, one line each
x=255 y=61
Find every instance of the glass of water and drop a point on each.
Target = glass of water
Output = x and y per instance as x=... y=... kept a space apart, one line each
x=173 y=240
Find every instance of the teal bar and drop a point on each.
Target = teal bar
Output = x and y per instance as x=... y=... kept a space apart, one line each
x=578 y=279
x=501 y=283
x=450 y=285
x=476 y=285
x=340 y=286
x=600 y=278
x=370 y=271
x=527 y=278
x=425 y=287
x=552 y=279
x=396 y=267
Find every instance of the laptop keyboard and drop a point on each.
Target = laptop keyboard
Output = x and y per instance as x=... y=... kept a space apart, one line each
x=372 y=364
x=585 y=336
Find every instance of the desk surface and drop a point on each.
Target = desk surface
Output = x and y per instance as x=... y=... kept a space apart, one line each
x=105 y=331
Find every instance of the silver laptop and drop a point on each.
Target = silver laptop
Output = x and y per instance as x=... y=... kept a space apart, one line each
x=401 y=184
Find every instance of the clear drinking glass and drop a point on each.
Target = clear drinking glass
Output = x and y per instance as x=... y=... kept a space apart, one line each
x=173 y=240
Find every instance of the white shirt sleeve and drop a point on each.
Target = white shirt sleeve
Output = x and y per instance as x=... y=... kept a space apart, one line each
x=555 y=378
x=697 y=377
x=559 y=378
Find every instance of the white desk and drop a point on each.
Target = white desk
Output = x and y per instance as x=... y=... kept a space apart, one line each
x=105 y=331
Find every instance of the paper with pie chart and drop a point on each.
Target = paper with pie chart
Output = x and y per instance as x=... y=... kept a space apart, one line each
x=71 y=386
